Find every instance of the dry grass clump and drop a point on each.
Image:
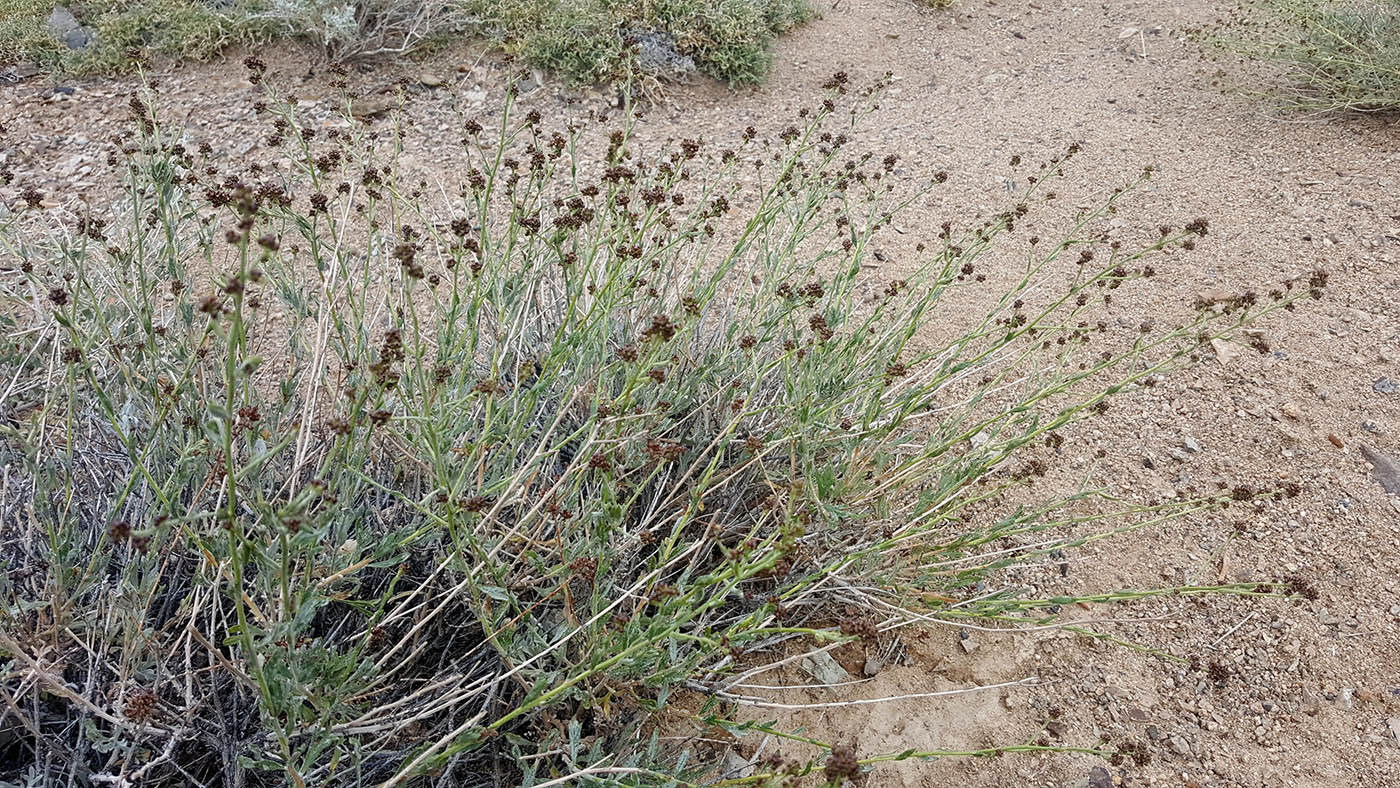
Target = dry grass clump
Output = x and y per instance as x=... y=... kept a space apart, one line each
x=316 y=476
x=1334 y=55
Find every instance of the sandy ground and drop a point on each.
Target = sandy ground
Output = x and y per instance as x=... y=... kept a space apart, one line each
x=1305 y=693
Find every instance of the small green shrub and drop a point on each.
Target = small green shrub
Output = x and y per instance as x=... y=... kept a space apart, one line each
x=23 y=34
x=316 y=476
x=194 y=29
x=1337 y=55
x=184 y=29
x=589 y=41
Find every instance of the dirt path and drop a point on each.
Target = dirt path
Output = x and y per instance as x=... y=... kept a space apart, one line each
x=1305 y=693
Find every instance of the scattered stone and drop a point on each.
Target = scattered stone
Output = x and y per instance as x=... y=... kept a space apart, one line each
x=1153 y=732
x=1179 y=745
x=1213 y=297
x=873 y=665
x=61 y=20
x=735 y=766
x=1394 y=723
x=72 y=33
x=980 y=439
x=430 y=80
x=1136 y=715
x=534 y=81
x=1346 y=699
x=1178 y=455
x=824 y=668
x=372 y=106
x=475 y=97
x=1370 y=426
x=1148 y=463
x=1099 y=778
x=1290 y=410
x=1225 y=352
x=968 y=644
x=1385 y=386
x=1385 y=468
x=1191 y=445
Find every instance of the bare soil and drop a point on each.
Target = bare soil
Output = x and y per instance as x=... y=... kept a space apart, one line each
x=1301 y=693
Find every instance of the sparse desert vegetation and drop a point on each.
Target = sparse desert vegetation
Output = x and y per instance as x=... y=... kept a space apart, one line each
x=450 y=423
x=581 y=41
x=1341 y=55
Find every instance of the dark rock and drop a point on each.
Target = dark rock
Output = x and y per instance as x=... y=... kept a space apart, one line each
x=1385 y=468
x=62 y=21
x=80 y=39
x=69 y=30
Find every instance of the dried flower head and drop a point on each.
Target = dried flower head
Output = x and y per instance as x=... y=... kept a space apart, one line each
x=842 y=764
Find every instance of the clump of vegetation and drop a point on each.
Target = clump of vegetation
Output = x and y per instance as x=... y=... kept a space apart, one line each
x=1337 y=55
x=359 y=28
x=584 y=41
x=313 y=475
x=590 y=41
x=184 y=29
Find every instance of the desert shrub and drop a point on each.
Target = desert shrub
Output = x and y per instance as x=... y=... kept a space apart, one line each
x=194 y=29
x=317 y=476
x=359 y=28
x=589 y=41
x=23 y=35
x=185 y=29
x=1335 y=55
x=584 y=41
